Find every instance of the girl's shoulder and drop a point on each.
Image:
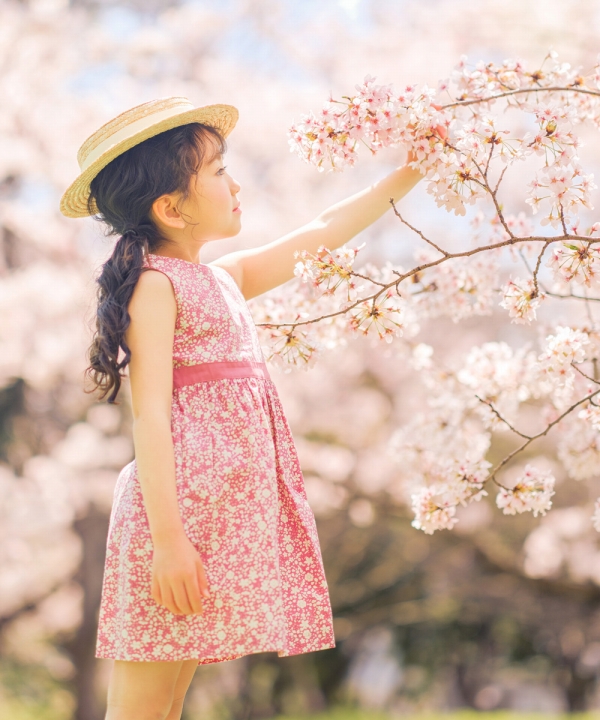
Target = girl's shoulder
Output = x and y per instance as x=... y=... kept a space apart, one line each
x=153 y=295
x=190 y=281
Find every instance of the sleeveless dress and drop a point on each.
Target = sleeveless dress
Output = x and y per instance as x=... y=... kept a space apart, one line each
x=241 y=498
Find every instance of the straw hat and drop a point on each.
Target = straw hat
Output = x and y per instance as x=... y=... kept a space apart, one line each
x=131 y=128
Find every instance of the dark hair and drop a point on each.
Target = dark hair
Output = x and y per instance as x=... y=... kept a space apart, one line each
x=124 y=192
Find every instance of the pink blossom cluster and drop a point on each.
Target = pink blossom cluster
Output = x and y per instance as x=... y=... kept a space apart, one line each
x=428 y=446
x=461 y=482
x=374 y=116
x=496 y=374
x=291 y=340
x=382 y=315
x=286 y=345
x=562 y=350
x=531 y=493
x=328 y=269
x=455 y=149
x=591 y=413
x=459 y=140
x=579 y=448
x=433 y=510
x=577 y=260
x=521 y=298
x=459 y=289
x=565 y=188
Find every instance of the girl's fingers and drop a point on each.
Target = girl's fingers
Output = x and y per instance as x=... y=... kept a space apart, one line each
x=440 y=129
x=155 y=592
x=202 y=581
x=181 y=599
x=193 y=595
x=169 y=601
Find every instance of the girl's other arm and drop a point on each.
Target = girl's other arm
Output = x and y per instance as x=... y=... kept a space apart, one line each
x=177 y=576
x=268 y=266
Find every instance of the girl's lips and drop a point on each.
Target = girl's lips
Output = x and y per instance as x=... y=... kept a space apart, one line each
x=237 y=209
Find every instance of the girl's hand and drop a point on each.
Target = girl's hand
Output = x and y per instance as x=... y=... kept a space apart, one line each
x=439 y=130
x=178 y=577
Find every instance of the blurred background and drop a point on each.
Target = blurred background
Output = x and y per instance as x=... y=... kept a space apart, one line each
x=499 y=613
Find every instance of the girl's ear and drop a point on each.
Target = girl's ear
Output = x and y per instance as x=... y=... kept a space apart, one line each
x=166 y=212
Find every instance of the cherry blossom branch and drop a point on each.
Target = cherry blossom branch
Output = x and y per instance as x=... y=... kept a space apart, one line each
x=416 y=230
x=587 y=377
x=531 y=438
x=520 y=91
x=502 y=419
x=462 y=170
x=537 y=268
x=401 y=277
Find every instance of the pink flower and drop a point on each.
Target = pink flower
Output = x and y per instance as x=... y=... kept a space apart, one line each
x=433 y=511
x=577 y=261
x=532 y=492
x=521 y=298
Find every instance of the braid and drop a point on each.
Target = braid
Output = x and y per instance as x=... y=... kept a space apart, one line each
x=116 y=283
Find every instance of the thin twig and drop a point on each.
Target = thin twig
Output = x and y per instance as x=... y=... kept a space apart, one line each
x=497 y=414
x=511 y=455
x=520 y=91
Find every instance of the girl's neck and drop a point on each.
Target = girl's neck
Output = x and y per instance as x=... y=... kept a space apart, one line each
x=178 y=251
x=195 y=261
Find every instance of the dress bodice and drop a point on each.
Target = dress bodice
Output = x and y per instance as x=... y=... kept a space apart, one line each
x=214 y=323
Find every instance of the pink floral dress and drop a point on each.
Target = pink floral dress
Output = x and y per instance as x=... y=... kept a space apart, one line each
x=241 y=497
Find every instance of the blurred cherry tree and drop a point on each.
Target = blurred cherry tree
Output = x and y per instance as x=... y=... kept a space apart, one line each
x=501 y=612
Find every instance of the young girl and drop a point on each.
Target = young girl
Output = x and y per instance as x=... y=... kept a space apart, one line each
x=212 y=550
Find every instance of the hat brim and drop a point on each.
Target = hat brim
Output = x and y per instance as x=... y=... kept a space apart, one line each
x=74 y=202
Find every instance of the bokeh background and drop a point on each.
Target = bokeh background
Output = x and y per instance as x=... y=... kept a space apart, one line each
x=499 y=613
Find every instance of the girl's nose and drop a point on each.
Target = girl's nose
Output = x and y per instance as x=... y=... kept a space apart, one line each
x=235 y=186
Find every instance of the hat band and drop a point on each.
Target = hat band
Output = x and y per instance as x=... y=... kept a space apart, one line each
x=131 y=129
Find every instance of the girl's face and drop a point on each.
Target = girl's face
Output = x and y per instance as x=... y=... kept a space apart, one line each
x=212 y=208
x=210 y=211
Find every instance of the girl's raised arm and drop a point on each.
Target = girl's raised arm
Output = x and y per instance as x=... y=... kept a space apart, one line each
x=263 y=268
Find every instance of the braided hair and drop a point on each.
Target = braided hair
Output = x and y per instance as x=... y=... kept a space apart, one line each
x=124 y=192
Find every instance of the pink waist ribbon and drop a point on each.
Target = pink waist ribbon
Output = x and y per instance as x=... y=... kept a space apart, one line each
x=191 y=374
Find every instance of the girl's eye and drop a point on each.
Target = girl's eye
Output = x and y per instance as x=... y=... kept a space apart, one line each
x=222 y=170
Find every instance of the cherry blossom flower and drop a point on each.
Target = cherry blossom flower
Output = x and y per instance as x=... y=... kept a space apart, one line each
x=460 y=289
x=532 y=492
x=521 y=298
x=456 y=167
x=330 y=269
x=501 y=376
x=579 y=448
x=292 y=347
x=592 y=414
x=433 y=510
x=577 y=261
x=383 y=316
x=465 y=479
x=563 y=349
x=565 y=187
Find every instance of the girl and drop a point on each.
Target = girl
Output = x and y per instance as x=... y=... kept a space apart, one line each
x=212 y=550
